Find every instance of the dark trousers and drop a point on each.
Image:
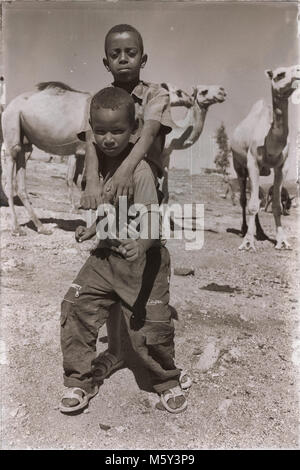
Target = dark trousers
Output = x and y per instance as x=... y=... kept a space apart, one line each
x=142 y=287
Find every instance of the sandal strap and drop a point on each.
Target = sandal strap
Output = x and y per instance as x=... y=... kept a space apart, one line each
x=71 y=393
x=173 y=393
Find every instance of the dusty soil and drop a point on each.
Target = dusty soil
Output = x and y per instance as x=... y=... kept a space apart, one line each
x=239 y=342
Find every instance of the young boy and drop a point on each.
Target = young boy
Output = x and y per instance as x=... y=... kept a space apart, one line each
x=124 y=59
x=135 y=272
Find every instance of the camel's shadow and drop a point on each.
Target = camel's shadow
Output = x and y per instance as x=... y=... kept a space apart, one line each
x=239 y=233
x=63 y=224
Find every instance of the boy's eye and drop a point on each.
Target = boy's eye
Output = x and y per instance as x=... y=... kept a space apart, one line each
x=114 y=54
x=132 y=52
x=99 y=132
x=118 y=132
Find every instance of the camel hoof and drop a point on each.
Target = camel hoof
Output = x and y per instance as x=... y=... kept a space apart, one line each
x=19 y=232
x=283 y=245
x=44 y=231
x=247 y=245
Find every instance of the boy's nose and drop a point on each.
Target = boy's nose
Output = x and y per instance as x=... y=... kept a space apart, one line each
x=123 y=58
x=109 y=141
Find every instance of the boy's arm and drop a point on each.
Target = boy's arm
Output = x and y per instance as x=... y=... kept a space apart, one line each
x=122 y=179
x=132 y=248
x=91 y=197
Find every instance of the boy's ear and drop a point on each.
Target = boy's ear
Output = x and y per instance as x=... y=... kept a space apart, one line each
x=106 y=65
x=144 y=60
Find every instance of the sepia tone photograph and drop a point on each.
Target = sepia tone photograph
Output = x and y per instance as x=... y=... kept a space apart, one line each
x=149 y=226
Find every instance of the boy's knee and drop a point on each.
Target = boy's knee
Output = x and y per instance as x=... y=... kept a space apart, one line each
x=159 y=333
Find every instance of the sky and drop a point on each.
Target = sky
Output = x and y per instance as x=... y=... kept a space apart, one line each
x=188 y=43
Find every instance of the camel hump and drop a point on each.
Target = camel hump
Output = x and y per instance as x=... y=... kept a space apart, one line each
x=60 y=85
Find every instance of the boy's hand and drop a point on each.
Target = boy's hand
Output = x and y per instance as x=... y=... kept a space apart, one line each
x=121 y=183
x=130 y=249
x=92 y=196
x=82 y=233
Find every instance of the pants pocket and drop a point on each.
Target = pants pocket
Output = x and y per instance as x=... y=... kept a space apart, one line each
x=69 y=301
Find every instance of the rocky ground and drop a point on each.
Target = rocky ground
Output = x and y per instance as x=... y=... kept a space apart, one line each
x=237 y=333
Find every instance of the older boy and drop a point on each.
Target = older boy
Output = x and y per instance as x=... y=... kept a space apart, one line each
x=124 y=59
x=135 y=273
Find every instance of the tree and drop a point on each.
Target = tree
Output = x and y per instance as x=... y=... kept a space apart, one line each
x=222 y=158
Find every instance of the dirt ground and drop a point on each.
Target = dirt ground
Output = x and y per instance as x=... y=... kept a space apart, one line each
x=239 y=342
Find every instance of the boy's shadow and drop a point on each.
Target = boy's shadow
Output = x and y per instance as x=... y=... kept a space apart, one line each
x=63 y=224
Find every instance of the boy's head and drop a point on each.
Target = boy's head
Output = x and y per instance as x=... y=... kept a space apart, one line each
x=112 y=118
x=124 y=52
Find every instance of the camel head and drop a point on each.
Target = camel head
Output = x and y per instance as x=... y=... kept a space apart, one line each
x=284 y=80
x=207 y=95
x=178 y=97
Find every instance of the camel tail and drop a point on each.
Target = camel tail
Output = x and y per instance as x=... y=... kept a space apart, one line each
x=62 y=86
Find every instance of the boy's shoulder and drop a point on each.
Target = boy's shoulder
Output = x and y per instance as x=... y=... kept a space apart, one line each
x=142 y=167
x=144 y=173
x=143 y=89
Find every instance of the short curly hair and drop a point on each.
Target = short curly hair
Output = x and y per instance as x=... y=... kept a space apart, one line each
x=113 y=98
x=124 y=28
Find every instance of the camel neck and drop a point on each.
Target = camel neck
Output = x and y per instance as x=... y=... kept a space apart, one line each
x=280 y=116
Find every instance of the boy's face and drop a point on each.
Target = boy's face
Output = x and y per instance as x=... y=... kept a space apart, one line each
x=112 y=130
x=124 y=57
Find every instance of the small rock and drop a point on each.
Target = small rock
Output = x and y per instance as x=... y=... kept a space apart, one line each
x=14 y=412
x=224 y=406
x=120 y=428
x=208 y=358
x=184 y=272
x=105 y=427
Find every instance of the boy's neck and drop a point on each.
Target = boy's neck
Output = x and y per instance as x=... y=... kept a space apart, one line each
x=129 y=87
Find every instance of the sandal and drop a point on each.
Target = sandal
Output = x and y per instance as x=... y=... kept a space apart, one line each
x=105 y=364
x=83 y=399
x=185 y=381
x=171 y=395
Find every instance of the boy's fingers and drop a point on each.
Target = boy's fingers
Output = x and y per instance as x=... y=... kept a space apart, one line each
x=88 y=202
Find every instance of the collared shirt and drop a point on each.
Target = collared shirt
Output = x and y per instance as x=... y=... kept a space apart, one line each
x=144 y=188
x=151 y=103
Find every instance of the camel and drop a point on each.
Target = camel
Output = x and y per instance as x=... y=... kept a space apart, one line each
x=259 y=143
x=49 y=117
x=188 y=131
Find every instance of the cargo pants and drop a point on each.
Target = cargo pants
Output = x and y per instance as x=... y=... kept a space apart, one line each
x=142 y=287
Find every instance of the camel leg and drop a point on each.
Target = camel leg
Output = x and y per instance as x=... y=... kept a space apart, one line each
x=70 y=179
x=243 y=201
x=260 y=234
x=269 y=199
x=9 y=169
x=253 y=206
x=281 y=241
x=22 y=193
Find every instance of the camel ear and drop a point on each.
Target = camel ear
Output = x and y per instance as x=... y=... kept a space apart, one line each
x=269 y=73
x=194 y=92
x=165 y=86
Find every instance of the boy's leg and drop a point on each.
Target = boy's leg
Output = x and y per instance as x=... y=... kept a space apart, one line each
x=150 y=326
x=110 y=359
x=113 y=325
x=84 y=311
